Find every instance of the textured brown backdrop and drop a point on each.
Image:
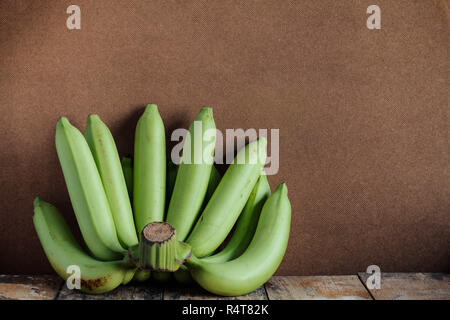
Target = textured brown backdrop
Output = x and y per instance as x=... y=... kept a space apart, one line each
x=363 y=115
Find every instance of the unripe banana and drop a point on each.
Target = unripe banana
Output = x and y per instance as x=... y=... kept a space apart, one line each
x=130 y=273
x=127 y=168
x=193 y=173
x=86 y=192
x=246 y=224
x=182 y=275
x=214 y=180
x=261 y=259
x=106 y=157
x=62 y=250
x=149 y=173
x=229 y=199
x=171 y=171
x=142 y=275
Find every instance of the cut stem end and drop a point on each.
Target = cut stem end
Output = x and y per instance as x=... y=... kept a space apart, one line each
x=159 y=249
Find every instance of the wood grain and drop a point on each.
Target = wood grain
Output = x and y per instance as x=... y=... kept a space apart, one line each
x=195 y=292
x=316 y=288
x=394 y=286
x=135 y=291
x=411 y=286
x=21 y=287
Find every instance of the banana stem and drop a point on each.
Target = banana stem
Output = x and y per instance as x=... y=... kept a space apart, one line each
x=193 y=262
x=159 y=249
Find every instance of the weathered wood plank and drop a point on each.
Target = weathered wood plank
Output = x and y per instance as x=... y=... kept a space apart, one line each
x=132 y=291
x=411 y=286
x=67 y=294
x=195 y=292
x=316 y=288
x=393 y=286
x=21 y=287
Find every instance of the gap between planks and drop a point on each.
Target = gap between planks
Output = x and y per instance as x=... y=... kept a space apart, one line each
x=411 y=286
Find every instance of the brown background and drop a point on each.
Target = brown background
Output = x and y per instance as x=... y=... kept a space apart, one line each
x=363 y=115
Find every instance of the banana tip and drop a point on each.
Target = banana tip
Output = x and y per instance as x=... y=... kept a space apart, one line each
x=282 y=187
x=151 y=110
x=207 y=110
x=37 y=201
x=92 y=117
x=151 y=107
x=63 y=121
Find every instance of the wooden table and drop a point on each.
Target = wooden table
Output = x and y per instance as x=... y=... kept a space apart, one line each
x=352 y=287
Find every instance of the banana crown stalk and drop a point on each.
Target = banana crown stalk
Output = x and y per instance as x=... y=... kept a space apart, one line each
x=86 y=192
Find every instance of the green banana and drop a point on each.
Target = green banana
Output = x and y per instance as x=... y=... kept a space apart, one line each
x=149 y=183
x=246 y=224
x=193 y=174
x=129 y=273
x=171 y=171
x=142 y=275
x=86 y=192
x=261 y=259
x=182 y=275
x=214 y=180
x=127 y=168
x=106 y=157
x=62 y=250
x=229 y=199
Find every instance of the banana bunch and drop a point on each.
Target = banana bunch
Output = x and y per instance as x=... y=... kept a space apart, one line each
x=144 y=217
